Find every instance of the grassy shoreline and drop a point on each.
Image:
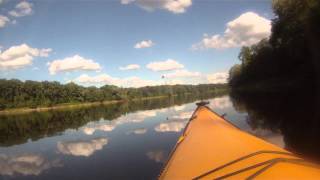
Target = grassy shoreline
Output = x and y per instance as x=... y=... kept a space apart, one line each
x=71 y=105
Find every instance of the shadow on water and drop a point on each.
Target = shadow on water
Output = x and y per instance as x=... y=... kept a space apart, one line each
x=295 y=115
x=18 y=129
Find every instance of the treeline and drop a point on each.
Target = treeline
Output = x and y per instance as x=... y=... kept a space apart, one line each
x=290 y=58
x=16 y=94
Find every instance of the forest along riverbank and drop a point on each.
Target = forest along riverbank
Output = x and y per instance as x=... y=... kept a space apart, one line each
x=92 y=104
x=74 y=105
x=289 y=59
x=18 y=96
x=277 y=80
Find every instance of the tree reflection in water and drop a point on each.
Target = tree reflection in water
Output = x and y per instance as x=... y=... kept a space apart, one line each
x=18 y=129
x=296 y=116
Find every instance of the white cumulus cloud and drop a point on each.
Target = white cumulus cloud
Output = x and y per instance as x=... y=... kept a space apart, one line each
x=23 y=8
x=130 y=67
x=99 y=79
x=247 y=29
x=3 y=21
x=218 y=78
x=174 y=6
x=174 y=82
x=104 y=79
x=73 y=63
x=182 y=74
x=126 y=1
x=167 y=65
x=82 y=148
x=144 y=44
x=20 y=56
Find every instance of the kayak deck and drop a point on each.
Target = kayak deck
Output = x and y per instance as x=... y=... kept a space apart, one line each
x=212 y=148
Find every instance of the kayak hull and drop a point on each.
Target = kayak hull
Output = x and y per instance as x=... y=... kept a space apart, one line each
x=212 y=148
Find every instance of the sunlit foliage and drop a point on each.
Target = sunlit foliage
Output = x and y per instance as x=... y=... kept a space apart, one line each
x=32 y=94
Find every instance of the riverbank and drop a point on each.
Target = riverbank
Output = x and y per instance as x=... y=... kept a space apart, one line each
x=72 y=105
x=275 y=86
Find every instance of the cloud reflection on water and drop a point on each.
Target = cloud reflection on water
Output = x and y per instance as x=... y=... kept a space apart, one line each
x=179 y=108
x=157 y=156
x=183 y=115
x=27 y=164
x=106 y=126
x=82 y=148
x=138 y=131
x=220 y=103
x=90 y=129
x=175 y=124
x=172 y=126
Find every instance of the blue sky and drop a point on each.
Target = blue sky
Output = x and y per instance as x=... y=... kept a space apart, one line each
x=87 y=41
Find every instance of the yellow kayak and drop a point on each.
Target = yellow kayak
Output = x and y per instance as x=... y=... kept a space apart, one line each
x=212 y=148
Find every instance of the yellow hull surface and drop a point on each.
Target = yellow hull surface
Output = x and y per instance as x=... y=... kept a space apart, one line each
x=212 y=148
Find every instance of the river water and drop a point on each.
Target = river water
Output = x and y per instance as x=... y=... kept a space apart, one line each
x=121 y=141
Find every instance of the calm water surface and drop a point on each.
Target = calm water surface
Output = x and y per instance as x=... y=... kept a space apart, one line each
x=123 y=141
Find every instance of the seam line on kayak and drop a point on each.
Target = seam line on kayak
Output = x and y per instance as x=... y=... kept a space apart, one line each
x=271 y=161
x=260 y=171
x=294 y=161
x=240 y=159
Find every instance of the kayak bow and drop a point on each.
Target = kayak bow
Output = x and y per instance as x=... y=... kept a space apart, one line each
x=212 y=148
